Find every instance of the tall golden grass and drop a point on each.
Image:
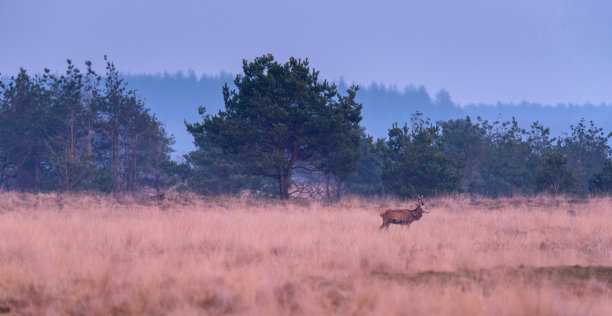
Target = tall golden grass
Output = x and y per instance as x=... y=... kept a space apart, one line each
x=92 y=255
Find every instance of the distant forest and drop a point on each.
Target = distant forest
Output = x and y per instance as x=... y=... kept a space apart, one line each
x=278 y=130
x=173 y=96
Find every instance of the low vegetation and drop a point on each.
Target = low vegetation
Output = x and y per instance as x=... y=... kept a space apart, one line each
x=188 y=255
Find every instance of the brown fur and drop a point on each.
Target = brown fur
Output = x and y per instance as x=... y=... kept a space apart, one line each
x=402 y=216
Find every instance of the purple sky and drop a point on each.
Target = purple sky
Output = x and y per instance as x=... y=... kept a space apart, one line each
x=481 y=51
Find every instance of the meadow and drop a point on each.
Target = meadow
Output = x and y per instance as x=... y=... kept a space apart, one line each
x=187 y=255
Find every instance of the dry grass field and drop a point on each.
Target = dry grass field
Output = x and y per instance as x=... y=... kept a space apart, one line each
x=90 y=255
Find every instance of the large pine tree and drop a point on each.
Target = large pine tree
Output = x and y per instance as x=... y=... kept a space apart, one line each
x=282 y=116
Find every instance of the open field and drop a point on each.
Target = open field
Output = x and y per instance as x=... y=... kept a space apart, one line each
x=88 y=255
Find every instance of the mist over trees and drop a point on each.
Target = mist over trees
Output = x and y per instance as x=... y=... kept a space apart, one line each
x=282 y=132
x=382 y=106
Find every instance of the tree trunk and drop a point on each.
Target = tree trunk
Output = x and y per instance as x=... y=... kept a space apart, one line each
x=285 y=172
x=133 y=180
x=285 y=175
x=72 y=136
x=116 y=160
x=282 y=181
x=285 y=181
x=89 y=136
x=37 y=176
x=66 y=178
x=2 y=177
x=125 y=180
x=157 y=182
x=327 y=194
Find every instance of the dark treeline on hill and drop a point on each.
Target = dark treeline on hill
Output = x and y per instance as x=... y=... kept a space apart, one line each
x=383 y=106
x=283 y=132
x=79 y=131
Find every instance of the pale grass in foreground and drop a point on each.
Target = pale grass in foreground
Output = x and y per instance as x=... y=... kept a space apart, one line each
x=90 y=255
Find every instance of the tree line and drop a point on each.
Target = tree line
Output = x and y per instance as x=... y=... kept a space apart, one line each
x=79 y=131
x=283 y=133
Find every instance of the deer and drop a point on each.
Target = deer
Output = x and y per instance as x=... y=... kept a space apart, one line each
x=403 y=216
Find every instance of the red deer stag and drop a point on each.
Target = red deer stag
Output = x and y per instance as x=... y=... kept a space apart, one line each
x=403 y=216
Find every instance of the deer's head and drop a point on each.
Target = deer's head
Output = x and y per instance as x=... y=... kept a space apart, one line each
x=422 y=204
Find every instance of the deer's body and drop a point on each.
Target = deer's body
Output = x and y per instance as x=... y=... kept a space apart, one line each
x=402 y=216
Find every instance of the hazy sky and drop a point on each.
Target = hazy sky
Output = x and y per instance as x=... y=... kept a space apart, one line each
x=480 y=51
